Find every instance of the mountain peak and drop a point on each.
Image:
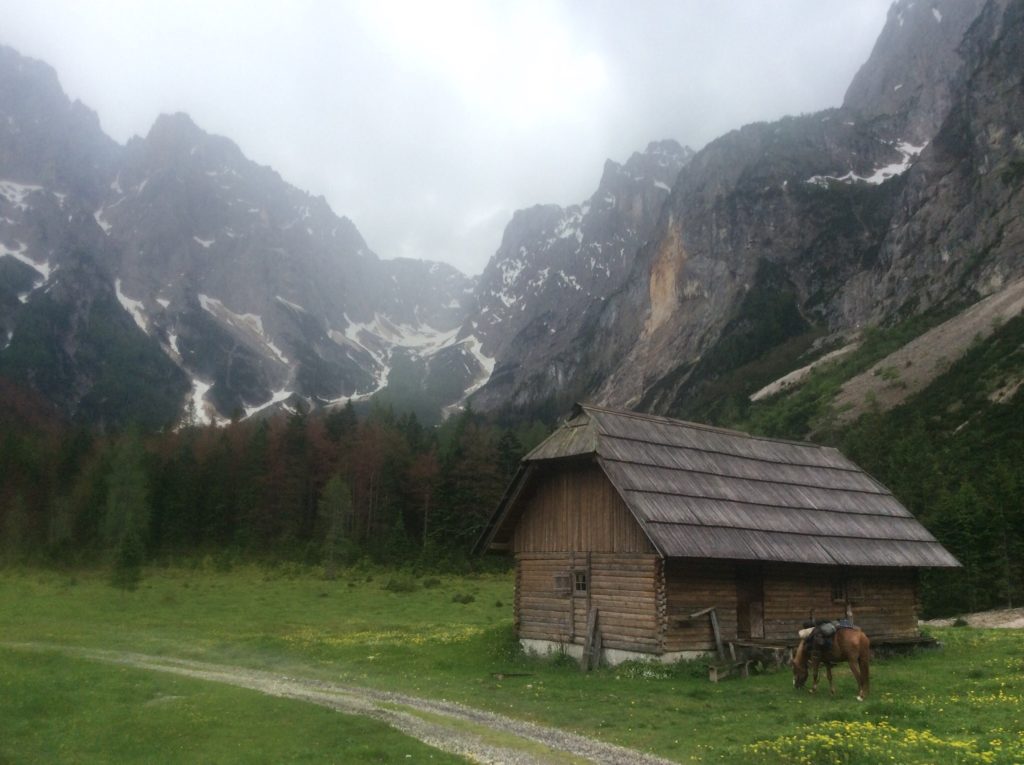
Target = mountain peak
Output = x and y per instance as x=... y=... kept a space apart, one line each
x=173 y=128
x=908 y=79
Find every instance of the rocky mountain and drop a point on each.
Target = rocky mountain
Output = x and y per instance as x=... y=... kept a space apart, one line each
x=251 y=291
x=686 y=284
x=556 y=265
x=781 y=241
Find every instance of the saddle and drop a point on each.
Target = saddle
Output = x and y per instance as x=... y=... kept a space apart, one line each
x=819 y=635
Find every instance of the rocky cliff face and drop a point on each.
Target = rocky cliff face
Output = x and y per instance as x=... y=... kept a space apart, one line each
x=957 y=231
x=555 y=267
x=778 y=234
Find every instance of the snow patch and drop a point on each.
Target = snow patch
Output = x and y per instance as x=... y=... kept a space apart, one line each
x=660 y=185
x=475 y=347
x=101 y=221
x=275 y=350
x=422 y=339
x=290 y=304
x=937 y=14
x=570 y=280
x=172 y=340
x=16 y=193
x=204 y=243
x=164 y=302
x=134 y=307
x=879 y=175
x=276 y=397
x=19 y=254
x=381 y=336
x=248 y=323
x=204 y=413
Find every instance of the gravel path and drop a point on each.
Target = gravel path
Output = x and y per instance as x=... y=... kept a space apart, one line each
x=1002 y=618
x=476 y=734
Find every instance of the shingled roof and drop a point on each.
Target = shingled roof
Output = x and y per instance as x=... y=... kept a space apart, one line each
x=703 y=492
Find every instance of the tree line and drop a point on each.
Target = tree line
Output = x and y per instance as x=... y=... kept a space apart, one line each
x=319 y=488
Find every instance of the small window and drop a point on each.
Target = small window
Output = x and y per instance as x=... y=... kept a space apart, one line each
x=580 y=582
x=563 y=584
x=839 y=593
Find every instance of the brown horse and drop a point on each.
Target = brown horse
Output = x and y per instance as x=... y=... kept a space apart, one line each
x=848 y=643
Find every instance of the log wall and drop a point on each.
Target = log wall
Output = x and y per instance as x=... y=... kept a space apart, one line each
x=883 y=601
x=622 y=586
x=693 y=585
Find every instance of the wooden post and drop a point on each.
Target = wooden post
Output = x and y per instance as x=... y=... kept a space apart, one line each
x=718 y=634
x=714 y=628
x=586 y=660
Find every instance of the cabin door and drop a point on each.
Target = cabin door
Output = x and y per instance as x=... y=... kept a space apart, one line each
x=749 y=603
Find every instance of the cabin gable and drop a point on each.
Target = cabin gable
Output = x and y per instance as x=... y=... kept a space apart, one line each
x=574 y=508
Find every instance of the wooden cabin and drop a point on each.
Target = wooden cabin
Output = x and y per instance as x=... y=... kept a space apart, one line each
x=645 y=521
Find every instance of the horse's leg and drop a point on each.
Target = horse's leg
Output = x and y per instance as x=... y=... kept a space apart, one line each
x=831 y=684
x=815 y=665
x=856 y=672
x=865 y=672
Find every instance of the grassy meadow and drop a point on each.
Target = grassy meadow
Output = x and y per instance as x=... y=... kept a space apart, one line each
x=441 y=637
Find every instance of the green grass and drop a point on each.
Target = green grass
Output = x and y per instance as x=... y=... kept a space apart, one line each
x=58 y=709
x=354 y=630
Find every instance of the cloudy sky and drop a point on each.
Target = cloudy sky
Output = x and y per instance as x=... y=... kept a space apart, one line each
x=428 y=123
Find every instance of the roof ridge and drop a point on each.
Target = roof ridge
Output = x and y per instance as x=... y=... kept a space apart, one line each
x=698 y=426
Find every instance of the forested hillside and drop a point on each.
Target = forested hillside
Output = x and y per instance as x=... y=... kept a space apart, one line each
x=317 y=489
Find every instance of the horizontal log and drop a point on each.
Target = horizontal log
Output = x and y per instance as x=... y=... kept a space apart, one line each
x=640 y=646
x=547 y=625
x=644 y=629
x=648 y=595
x=623 y=569
x=553 y=637
x=536 y=605
x=625 y=607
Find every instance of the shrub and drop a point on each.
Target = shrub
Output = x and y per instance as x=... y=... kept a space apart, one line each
x=400 y=584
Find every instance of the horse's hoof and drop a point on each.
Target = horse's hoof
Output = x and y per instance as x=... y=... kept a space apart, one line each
x=860 y=698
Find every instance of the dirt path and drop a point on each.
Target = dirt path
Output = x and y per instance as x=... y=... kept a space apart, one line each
x=1002 y=618
x=476 y=734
